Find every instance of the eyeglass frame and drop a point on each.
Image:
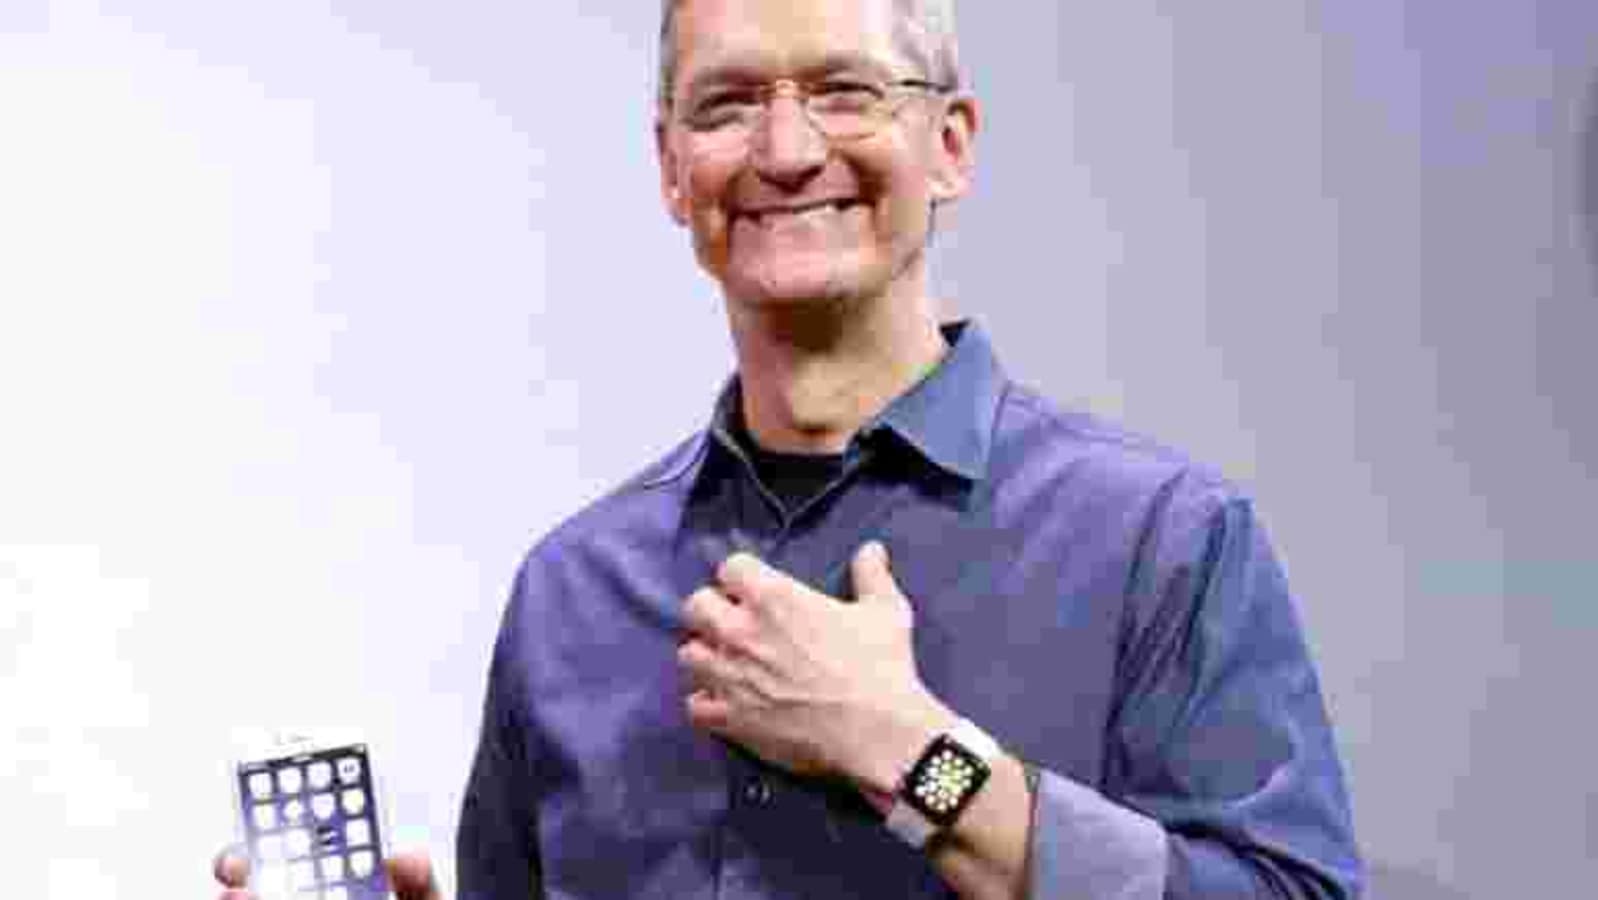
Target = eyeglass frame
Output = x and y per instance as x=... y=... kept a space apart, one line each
x=804 y=91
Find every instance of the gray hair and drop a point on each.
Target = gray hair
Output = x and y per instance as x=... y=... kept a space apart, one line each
x=927 y=32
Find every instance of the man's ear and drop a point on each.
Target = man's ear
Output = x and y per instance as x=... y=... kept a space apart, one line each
x=955 y=154
x=672 y=190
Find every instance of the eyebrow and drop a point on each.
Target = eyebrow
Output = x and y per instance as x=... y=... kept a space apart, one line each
x=749 y=70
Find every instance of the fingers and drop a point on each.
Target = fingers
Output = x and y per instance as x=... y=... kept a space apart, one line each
x=742 y=575
x=871 y=574
x=713 y=624
x=231 y=868
x=749 y=581
x=710 y=615
x=706 y=669
x=411 y=877
x=707 y=711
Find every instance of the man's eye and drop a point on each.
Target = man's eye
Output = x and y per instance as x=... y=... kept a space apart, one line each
x=721 y=108
x=847 y=94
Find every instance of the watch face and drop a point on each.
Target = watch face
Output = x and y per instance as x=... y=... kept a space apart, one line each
x=944 y=780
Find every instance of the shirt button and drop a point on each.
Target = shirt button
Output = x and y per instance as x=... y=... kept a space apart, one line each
x=757 y=792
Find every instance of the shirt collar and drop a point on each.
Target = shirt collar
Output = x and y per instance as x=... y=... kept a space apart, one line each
x=946 y=417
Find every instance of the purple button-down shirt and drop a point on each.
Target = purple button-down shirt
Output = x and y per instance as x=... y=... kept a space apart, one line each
x=1111 y=613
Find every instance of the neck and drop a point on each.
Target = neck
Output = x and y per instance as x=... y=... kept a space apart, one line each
x=813 y=373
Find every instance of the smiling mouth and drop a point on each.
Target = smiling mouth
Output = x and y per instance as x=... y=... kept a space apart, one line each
x=762 y=216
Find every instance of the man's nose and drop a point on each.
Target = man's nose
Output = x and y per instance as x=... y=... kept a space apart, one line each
x=788 y=148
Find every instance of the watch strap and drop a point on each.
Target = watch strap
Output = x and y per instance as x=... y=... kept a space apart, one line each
x=976 y=740
x=909 y=825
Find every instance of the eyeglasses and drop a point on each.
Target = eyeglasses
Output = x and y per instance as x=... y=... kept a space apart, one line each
x=841 y=108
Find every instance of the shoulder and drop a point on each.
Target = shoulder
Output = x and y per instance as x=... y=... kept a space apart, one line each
x=646 y=503
x=1188 y=538
x=607 y=564
x=1103 y=462
x=613 y=555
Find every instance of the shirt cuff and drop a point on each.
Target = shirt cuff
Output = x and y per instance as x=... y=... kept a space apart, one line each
x=1084 y=845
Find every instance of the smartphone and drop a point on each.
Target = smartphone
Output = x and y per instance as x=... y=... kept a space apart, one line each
x=309 y=819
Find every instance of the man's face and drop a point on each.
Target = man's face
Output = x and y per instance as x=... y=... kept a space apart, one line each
x=786 y=215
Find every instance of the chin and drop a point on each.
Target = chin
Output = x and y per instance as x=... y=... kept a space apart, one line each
x=798 y=282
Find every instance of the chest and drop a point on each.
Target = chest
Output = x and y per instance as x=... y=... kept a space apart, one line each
x=1016 y=627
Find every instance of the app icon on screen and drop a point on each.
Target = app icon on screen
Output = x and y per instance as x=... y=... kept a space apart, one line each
x=349 y=769
x=269 y=848
x=302 y=875
x=265 y=816
x=322 y=806
x=261 y=785
x=357 y=832
x=361 y=863
x=319 y=774
x=289 y=780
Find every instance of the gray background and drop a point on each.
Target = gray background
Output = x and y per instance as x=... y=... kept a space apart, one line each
x=313 y=315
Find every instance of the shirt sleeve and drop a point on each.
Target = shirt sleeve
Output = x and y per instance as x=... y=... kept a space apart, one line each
x=496 y=844
x=1084 y=845
x=1222 y=778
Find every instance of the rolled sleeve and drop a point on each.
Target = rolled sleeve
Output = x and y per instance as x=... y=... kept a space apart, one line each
x=1084 y=845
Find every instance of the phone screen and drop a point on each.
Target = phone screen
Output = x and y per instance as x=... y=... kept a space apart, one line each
x=311 y=825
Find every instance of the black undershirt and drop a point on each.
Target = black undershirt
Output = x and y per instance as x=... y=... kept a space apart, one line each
x=793 y=477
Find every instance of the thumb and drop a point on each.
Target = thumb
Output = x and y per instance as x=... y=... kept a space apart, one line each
x=411 y=877
x=871 y=575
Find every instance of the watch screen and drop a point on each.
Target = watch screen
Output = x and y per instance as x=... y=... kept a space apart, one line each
x=944 y=779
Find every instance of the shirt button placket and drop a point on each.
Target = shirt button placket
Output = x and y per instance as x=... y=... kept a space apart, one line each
x=739 y=875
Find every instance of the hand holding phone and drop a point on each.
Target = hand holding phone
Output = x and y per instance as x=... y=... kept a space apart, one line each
x=309 y=821
x=410 y=874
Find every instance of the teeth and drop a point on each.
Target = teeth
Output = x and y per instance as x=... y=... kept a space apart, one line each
x=803 y=212
x=831 y=206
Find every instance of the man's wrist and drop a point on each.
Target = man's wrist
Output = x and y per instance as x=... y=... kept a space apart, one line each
x=899 y=744
x=881 y=801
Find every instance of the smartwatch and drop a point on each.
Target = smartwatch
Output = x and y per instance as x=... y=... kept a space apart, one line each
x=941 y=783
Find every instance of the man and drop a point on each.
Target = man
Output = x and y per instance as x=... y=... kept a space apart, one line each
x=891 y=626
